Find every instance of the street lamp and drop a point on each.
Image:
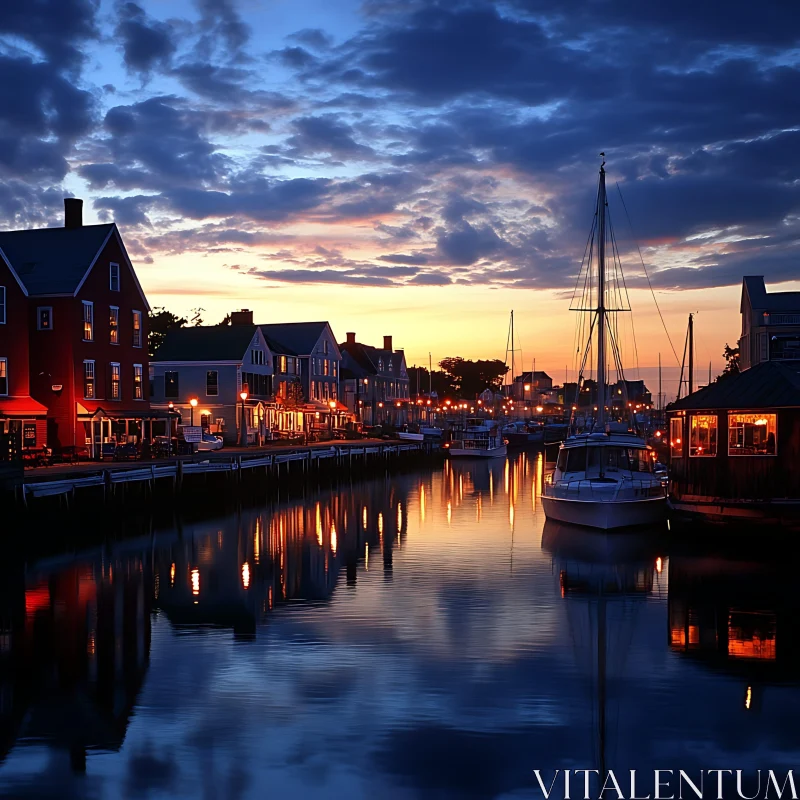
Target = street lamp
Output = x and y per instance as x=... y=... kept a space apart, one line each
x=193 y=404
x=243 y=434
x=332 y=406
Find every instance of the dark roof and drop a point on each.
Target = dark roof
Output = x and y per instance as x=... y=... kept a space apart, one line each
x=538 y=375
x=53 y=260
x=301 y=337
x=369 y=358
x=767 y=385
x=277 y=347
x=206 y=343
x=769 y=301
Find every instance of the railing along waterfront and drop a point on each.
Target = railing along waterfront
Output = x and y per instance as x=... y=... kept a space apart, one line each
x=66 y=483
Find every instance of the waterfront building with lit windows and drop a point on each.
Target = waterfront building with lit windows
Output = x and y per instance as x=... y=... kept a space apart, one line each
x=86 y=333
x=213 y=365
x=735 y=447
x=770 y=325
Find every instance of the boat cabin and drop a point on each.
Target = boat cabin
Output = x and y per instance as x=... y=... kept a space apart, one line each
x=595 y=454
x=735 y=446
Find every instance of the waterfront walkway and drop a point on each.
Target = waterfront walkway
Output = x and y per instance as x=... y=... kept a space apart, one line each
x=46 y=473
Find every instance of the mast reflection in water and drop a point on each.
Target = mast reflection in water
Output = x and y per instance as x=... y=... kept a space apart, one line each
x=420 y=636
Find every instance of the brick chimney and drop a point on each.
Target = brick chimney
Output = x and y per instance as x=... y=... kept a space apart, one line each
x=387 y=343
x=73 y=212
x=243 y=317
x=351 y=338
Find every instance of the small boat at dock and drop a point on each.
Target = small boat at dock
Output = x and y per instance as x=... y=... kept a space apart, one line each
x=480 y=438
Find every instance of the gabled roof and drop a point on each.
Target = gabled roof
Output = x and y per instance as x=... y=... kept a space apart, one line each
x=277 y=347
x=760 y=298
x=538 y=375
x=370 y=358
x=54 y=260
x=301 y=337
x=767 y=385
x=206 y=343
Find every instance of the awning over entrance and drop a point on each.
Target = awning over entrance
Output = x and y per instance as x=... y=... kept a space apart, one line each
x=23 y=406
x=85 y=414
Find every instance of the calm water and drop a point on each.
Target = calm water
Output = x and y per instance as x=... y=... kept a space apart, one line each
x=427 y=636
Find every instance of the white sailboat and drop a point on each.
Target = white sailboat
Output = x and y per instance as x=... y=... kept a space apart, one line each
x=604 y=476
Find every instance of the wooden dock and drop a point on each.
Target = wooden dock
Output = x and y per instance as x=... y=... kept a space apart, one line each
x=176 y=474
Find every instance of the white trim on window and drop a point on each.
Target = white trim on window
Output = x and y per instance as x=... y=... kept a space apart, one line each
x=114 y=274
x=115 y=379
x=113 y=325
x=137 y=331
x=89 y=383
x=138 y=382
x=4 y=377
x=49 y=325
x=88 y=321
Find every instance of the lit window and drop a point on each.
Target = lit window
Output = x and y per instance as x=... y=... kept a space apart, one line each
x=282 y=367
x=138 y=392
x=676 y=436
x=703 y=435
x=212 y=383
x=3 y=377
x=2 y=305
x=88 y=379
x=137 y=328
x=113 y=323
x=88 y=321
x=44 y=318
x=113 y=277
x=752 y=434
x=115 y=391
x=325 y=366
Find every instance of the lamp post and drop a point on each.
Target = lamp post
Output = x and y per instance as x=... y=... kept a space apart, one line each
x=193 y=404
x=332 y=406
x=243 y=432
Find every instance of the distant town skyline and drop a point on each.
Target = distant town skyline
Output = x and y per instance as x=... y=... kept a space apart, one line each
x=416 y=169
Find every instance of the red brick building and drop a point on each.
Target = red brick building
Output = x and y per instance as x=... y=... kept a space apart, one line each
x=86 y=328
x=19 y=412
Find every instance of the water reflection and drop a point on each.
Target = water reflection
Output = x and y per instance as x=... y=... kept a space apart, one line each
x=424 y=636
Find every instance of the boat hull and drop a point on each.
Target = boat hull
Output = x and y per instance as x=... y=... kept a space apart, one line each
x=606 y=515
x=475 y=452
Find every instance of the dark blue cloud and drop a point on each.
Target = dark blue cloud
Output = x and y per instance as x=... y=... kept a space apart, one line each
x=146 y=43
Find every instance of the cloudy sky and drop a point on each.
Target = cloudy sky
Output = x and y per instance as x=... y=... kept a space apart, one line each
x=415 y=168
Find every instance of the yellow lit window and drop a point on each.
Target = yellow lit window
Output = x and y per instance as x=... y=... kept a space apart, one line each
x=703 y=435
x=676 y=436
x=752 y=434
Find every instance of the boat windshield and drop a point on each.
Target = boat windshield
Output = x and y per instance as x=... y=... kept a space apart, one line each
x=578 y=459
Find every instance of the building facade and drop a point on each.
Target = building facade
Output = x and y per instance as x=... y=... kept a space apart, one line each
x=86 y=327
x=21 y=416
x=318 y=359
x=770 y=325
x=213 y=365
x=377 y=386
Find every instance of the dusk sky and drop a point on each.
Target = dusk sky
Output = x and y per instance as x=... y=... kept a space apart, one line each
x=416 y=168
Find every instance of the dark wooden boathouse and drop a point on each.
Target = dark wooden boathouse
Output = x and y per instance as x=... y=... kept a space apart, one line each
x=735 y=448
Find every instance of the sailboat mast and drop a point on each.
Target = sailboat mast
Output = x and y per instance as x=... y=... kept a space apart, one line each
x=691 y=353
x=659 y=382
x=512 y=353
x=601 y=300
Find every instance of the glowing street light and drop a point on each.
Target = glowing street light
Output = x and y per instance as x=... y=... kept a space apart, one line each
x=243 y=437
x=193 y=404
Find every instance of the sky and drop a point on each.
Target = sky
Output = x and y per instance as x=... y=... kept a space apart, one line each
x=418 y=169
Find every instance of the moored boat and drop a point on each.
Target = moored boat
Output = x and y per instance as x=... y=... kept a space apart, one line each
x=480 y=438
x=604 y=477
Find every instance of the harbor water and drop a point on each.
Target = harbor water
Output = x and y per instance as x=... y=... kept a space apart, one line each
x=424 y=635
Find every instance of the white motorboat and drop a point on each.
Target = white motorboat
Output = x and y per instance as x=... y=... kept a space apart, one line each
x=480 y=438
x=604 y=477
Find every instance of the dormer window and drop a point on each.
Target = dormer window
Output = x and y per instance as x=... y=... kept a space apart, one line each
x=325 y=347
x=380 y=365
x=390 y=366
x=113 y=277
